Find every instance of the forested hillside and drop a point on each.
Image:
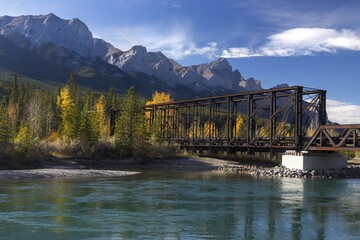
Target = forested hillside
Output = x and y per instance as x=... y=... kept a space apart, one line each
x=70 y=122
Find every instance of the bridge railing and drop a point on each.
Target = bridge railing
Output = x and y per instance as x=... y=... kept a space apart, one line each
x=335 y=138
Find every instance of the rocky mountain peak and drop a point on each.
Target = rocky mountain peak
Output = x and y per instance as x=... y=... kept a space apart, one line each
x=72 y=34
x=49 y=18
x=138 y=49
x=221 y=64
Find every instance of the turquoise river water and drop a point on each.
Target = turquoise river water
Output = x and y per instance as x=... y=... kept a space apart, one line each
x=181 y=205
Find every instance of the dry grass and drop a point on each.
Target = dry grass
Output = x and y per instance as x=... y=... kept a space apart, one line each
x=355 y=160
x=161 y=150
x=59 y=148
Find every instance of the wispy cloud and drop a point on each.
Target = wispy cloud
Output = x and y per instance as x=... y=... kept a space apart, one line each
x=174 y=5
x=342 y=112
x=304 y=13
x=210 y=50
x=300 y=42
x=175 y=42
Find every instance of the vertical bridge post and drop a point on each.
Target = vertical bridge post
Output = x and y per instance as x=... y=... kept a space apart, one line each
x=298 y=117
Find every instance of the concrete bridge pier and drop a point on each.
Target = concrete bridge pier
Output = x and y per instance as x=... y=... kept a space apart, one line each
x=305 y=160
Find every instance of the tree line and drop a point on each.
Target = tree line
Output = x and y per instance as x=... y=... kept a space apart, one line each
x=71 y=122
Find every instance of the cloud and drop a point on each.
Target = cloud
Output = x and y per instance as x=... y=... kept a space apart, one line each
x=174 y=5
x=175 y=42
x=301 y=42
x=342 y=112
x=209 y=50
x=302 y=13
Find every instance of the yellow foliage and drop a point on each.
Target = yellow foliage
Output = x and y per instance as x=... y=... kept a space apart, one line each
x=53 y=137
x=263 y=132
x=209 y=127
x=23 y=134
x=24 y=139
x=159 y=97
x=281 y=130
x=68 y=111
x=310 y=132
x=193 y=131
x=103 y=123
x=239 y=122
x=64 y=99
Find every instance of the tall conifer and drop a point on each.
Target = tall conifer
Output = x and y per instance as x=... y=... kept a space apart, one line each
x=5 y=133
x=130 y=131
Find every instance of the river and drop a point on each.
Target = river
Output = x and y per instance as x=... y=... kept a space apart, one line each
x=180 y=205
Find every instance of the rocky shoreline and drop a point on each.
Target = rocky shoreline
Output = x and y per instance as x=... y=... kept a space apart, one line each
x=352 y=171
x=82 y=168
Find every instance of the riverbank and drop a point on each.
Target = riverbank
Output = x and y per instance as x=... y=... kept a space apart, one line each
x=352 y=171
x=87 y=168
x=61 y=173
x=70 y=168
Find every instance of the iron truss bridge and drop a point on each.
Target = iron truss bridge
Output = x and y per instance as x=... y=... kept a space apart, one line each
x=274 y=120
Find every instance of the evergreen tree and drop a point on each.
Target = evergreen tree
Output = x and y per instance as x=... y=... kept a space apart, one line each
x=131 y=136
x=112 y=103
x=68 y=103
x=5 y=133
x=13 y=108
x=74 y=89
x=14 y=92
x=87 y=131
x=24 y=140
x=23 y=101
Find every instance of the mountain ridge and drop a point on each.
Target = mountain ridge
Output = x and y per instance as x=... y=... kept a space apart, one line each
x=70 y=44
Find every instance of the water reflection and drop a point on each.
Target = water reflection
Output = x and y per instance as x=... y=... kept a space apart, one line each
x=180 y=206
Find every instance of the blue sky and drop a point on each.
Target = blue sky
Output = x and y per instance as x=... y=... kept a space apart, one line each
x=309 y=43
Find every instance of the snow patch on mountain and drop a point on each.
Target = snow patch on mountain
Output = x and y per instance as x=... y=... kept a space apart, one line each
x=71 y=34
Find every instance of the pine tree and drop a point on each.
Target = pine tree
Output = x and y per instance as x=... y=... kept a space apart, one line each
x=68 y=102
x=130 y=131
x=87 y=131
x=13 y=108
x=24 y=140
x=74 y=89
x=5 y=133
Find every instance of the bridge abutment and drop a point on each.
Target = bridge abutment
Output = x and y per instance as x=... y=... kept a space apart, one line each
x=305 y=160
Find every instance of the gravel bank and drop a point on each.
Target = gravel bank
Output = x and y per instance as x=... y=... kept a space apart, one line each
x=61 y=173
x=352 y=171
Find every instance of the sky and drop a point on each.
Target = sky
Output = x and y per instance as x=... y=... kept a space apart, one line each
x=309 y=43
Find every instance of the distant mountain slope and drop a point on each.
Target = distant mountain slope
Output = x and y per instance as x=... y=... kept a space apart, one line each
x=47 y=48
x=50 y=63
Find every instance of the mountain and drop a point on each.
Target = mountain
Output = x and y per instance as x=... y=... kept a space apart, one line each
x=59 y=46
x=213 y=75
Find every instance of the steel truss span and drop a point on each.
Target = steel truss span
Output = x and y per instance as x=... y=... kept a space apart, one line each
x=271 y=120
